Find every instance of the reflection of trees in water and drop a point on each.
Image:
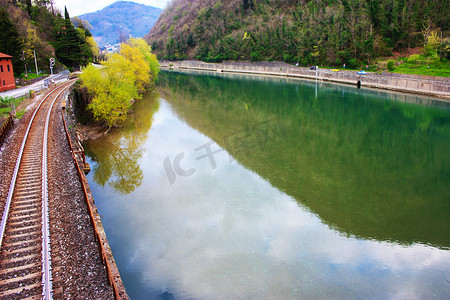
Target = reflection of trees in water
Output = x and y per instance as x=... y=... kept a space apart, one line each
x=367 y=166
x=117 y=166
x=118 y=153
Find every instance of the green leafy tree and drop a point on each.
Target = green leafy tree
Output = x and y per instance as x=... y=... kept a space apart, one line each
x=66 y=13
x=212 y=30
x=10 y=40
x=70 y=48
x=432 y=45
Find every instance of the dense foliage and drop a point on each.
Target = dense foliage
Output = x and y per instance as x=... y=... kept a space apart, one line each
x=28 y=27
x=330 y=32
x=122 y=79
x=9 y=36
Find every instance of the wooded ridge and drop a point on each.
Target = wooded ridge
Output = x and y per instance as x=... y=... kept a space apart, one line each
x=329 y=32
x=28 y=27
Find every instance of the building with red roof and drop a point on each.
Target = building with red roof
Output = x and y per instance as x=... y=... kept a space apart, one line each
x=6 y=73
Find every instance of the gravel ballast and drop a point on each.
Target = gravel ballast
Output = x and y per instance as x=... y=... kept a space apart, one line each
x=77 y=269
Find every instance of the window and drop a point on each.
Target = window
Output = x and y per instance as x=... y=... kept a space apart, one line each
x=1 y=68
x=4 y=82
x=9 y=70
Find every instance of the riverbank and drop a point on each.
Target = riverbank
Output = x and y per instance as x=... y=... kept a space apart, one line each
x=414 y=84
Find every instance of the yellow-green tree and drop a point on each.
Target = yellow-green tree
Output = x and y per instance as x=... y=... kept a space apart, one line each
x=113 y=87
x=138 y=65
x=150 y=58
x=94 y=47
x=123 y=78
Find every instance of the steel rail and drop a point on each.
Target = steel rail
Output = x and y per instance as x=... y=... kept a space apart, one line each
x=47 y=288
x=16 y=171
x=46 y=272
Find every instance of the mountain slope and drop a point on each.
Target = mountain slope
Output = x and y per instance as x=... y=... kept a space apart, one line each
x=121 y=19
x=329 y=32
x=33 y=32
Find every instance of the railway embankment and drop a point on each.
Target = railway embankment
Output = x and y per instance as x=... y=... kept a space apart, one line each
x=82 y=263
x=406 y=83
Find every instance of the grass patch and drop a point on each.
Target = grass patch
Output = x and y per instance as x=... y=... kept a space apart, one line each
x=7 y=106
x=20 y=113
x=442 y=69
x=31 y=75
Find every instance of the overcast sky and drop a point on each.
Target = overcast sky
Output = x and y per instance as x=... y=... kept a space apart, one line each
x=79 y=7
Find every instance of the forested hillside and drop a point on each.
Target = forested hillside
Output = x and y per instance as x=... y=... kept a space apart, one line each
x=36 y=26
x=330 y=32
x=116 y=22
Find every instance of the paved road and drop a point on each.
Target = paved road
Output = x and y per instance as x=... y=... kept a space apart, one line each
x=37 y=86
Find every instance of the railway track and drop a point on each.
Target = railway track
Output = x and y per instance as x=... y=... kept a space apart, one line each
x=25 y=256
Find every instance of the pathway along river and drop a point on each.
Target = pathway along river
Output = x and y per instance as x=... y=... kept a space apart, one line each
x=235 y=187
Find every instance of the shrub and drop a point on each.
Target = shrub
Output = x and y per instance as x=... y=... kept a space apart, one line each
x=287 y=57
x=343 y=56
x=353 y=63
x=255 y=56
x=413 y=58
x=5 y=101
x=433 y=42
x=390 y=65
x=444 y=50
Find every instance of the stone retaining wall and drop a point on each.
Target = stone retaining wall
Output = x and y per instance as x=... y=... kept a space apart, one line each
x=427 y=85
x=105 y=252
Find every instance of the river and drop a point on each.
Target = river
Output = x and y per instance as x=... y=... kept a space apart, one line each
x=244 y=187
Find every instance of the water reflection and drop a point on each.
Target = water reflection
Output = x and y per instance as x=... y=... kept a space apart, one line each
x=370 y=167
x=117 y=154
x=269 y=219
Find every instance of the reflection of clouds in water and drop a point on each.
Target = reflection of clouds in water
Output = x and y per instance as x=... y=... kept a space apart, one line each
x=165 y=127
x=226 y=234
x=213 y=247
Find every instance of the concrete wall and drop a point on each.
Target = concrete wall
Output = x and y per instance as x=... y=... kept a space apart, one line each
x=427 y=85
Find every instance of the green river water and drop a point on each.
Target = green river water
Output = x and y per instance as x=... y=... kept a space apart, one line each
x=244 y=187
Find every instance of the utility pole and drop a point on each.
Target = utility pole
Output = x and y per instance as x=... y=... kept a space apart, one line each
x=23 y=58
x=35 y=62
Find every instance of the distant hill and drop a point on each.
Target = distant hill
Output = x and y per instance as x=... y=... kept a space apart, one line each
x=121 y=19
x=328 y=32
